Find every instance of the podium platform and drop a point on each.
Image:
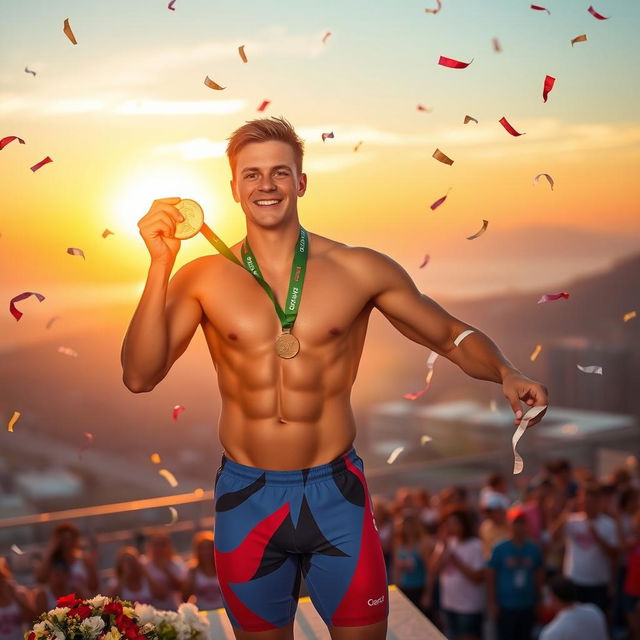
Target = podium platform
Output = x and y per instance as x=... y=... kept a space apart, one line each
x=406 y=621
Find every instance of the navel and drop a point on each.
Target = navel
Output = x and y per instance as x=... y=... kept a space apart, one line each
x=232 y=336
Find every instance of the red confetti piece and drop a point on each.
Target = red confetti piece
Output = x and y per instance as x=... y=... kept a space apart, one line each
x=485 y=223
x=325 y=36
x=503 y=121
x=16 y=313
x=5 y=141
x=439 y=201
x=595 y=14
x=425 y=261
x=547 y=176
x=36 y=166
x=327 y=135
x=537 y=7
x=581 y=38
x=211 y=84
x=177 y=410
x=434 y=11
x=170 y=5
x=243 y=55
x=421 y=108
x=357 y=146
x=86 y=444
x=453 y=64
x=68 y=32
x=264 y=105
x=76 y=252
x=106 y=232
x=51 y=321
x=468 y=119
x=27 y=70
x=549 y=81
x=548 y=297
x=496 y=45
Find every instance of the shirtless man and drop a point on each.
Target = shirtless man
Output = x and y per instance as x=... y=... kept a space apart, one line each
x=290 y=494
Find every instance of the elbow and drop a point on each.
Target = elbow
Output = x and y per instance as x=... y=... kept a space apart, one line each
x=135 y=386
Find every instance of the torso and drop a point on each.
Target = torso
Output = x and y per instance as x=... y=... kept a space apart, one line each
x=278 y=413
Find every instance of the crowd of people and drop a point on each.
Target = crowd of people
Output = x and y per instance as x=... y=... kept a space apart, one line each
x=560 y=562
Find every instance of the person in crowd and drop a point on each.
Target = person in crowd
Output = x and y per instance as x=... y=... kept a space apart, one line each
x=428 y=513
x=533 y=503
x=82 y=566
x=16 y=609
x=574 y=620
x=631 y=587
x=201 y=580
x=133 y=582
x=458 y=560
x=494 y=528
x=165 y=566
x=560 y=472
x=627 y=507
x=495 y=490
x=515 y=575
x=383 y=518
x=59 y=583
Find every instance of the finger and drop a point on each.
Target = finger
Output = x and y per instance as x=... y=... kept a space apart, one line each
x=168 y=210
x=514 y=401
x=169 y=200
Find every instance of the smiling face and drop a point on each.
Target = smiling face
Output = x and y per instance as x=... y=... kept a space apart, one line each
x=266 y=172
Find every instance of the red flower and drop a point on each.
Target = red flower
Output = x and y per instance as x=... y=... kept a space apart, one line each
x=32 y=636
x=83 y=611
x=113 y=607
x=69 y=600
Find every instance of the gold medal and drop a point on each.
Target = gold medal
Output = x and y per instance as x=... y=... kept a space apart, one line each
x=287 y=344
x=193 y=219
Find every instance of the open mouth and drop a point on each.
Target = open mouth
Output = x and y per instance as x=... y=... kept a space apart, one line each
x=267 y=203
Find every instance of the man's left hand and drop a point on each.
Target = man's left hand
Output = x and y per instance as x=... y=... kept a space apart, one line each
x=516 y=387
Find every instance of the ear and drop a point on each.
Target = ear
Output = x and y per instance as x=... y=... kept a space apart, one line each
x=302 y=184
x=233 y=190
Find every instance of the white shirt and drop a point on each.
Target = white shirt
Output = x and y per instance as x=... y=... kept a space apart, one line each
x=457 y=592
x=577 y=623
x=584 y=561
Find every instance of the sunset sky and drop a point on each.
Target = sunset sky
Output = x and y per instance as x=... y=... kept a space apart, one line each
x=126 y=118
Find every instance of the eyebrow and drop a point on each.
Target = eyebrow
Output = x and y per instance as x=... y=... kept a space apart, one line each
x=278 y=166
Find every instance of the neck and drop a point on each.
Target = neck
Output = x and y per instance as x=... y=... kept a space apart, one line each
x=274 y=248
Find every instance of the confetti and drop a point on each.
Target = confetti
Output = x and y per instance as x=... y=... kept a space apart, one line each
x=462 y=336
x=496 y=45
x=628 y=316
x=493 y=405
x=549 y=81
x=503 y=121
x=177 y=410
x=590 y=369
x=547 y=176
x=41 y=163
x=68 y=351
x=532 y=412
x=548 y=297
x=14 y=418
x=468 y=119
x=169 y=477
x=68 y=32
x=537 y=7
x=89 y=442
x=439 y=201
x=51 y=321
x=15 y=312
x=433 y=356
x=75 y=252
x=394 y=454
x=425 y=261
x=16 y=549
x=27 y=70
x=421 y=108
x=582 y=38
x=357 y=146
x=434 y=11
x=211 y=84
x=595 y=14
x=438 y=155
x=174 y=516
x=425 y=439
x=327 y=135
x=264 y=104
x=453 y=64
x=243 y=55
x=155 y=458
x=106 y=232
x=535 y=352
x=478 y=233
x=325 y=36
x=5 y=141
x=170 y=5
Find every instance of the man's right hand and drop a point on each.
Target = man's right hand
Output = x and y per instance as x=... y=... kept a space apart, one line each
x=157 y=228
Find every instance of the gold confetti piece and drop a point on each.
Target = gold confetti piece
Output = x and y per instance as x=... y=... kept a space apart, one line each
x=68 y=32
x=479 y=233
x=496 y=45
x=106 y=232
x=468 y=119
x=68 y=351
x=425 y=439
x=394 y=454
x=582 y=38
x=73 y=251
x=423 y=108
x=628 y=316
x=438 y=155
x=535 y=352
x=174 y=516
x=434 y=11
x=27 y=70
x=358 y=145
x=325 y=36
x=16 y=549
x=14 y=417
x=590 y=369
x=242 y=53
x=327 y=135
x=169 y=477
x=199 y=491
x=427 y=257
x=211 y=84
x=532 y=412
x=547 y=176
x=155 y=458
x=51 y=321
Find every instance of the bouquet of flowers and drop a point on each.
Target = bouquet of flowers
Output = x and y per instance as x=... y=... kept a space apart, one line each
x=103 y=618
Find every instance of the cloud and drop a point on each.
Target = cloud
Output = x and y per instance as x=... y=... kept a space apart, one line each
x=178 y=108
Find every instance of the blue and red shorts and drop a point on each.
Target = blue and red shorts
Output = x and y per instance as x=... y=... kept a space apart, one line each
x=272 y=527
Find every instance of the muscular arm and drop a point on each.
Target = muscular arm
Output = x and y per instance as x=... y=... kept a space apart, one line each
x=162 y=326
x=424 y=321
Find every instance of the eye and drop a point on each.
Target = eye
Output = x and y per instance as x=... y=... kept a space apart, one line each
x=248 y=175
x=283 y=171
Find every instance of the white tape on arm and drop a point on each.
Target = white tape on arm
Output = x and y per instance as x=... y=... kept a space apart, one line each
x=462 y=336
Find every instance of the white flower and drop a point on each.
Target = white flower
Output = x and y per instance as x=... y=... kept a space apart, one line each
x=99 y=601
x=40 y=627
x=92 y=625
x=114 y=634
x=59 y=635
x=146 y=613
x=59 y=613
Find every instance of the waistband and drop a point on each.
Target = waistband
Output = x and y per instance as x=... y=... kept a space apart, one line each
x=291 y=477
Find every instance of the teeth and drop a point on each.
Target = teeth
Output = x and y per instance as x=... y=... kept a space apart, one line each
x=263 y=202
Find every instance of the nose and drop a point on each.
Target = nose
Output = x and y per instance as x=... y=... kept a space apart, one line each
x=266 y=183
